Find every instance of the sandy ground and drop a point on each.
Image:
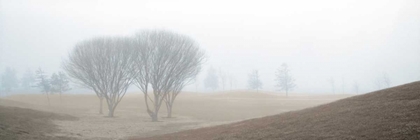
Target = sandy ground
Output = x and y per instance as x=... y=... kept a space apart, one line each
x=190 y=111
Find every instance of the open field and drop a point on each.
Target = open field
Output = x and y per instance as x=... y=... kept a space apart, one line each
x=190 y=111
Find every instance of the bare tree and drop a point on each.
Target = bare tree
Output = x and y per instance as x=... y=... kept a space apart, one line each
x=104 y=65
x=43 y=83
x=284 y=79
x=378 y=83
x=383 y=81
x=59 y=83
x=211 y=80
x=386 y=80
x=254 y=81
x=167 y=62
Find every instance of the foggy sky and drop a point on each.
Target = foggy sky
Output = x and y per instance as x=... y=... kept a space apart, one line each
x=350 y=41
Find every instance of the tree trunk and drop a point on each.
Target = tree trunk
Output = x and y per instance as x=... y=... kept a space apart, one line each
x=169 y=111
x=111 y=112
x=156 y=111
x=100 y=105
x=154 y=117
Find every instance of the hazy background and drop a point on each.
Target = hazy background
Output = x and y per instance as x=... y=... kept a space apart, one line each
x=350 y=41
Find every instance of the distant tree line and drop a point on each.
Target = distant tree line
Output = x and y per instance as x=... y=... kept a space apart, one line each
x=56 y=83
x=283 y=78
x=9 y=80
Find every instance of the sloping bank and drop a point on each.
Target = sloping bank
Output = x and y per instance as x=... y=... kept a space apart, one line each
x=392 y=113
x=27 y=124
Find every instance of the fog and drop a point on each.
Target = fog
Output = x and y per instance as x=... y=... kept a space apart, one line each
x=349 y=41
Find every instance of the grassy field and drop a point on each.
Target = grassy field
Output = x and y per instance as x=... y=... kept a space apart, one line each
x=191 y=111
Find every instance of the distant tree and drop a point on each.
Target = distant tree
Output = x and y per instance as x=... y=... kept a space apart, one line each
x=104 y=65
x=231 y=80
x=223 y=78
x=59 y=83
x=43 y=83
x=378 y=83
x=284 y=79
x=9 y=80
x=211 y=81
x=356 y=87
x=383 y=81
x=28 y=79
x=254 y=81
x=386 y=80
x=54 y=77
x=332 y=83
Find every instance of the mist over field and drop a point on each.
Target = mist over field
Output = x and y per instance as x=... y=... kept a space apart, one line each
x=205 y=70
x=348 y=41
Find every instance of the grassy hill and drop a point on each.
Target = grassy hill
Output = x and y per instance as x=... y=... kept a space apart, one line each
x=392 y=113
x=26 y=124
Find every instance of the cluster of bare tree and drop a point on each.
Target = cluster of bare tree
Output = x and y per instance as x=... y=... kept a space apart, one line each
x=167 y=62
x=157 y=60
x=104 y=65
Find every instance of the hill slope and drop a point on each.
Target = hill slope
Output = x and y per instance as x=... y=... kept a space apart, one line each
x=392 y=113
x=21 y=123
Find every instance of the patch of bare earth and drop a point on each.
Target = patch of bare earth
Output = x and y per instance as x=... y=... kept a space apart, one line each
x=392 y=113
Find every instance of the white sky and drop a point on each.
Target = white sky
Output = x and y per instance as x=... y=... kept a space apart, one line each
x=354 y=40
